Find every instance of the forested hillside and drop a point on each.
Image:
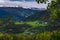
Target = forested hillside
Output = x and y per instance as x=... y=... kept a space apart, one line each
x=25 y=20
x=30 y=24
x=43 y=15
x=16 y=13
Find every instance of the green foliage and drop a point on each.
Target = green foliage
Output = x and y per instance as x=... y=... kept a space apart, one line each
x=54 y=35
x=4 y=21
x=55 y=12
x=41 y=1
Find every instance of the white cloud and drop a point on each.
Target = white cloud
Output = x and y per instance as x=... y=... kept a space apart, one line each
x=1 y=0
x=25 y=4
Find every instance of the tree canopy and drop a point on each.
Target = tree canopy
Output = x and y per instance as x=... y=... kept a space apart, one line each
x=54 y=7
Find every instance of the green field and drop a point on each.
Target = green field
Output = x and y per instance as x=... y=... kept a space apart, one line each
x=32 y=23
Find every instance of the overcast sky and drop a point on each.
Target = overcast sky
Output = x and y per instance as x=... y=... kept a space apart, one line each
x=26 y=4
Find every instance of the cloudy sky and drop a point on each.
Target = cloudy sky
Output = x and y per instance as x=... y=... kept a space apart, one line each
x=26 y=3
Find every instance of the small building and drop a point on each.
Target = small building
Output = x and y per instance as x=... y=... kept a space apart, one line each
x=44 y=22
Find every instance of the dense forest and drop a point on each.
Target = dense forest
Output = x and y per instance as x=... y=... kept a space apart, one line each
x=39 y=25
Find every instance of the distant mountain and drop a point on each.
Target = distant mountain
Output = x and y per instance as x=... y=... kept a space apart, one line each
x=17 y=13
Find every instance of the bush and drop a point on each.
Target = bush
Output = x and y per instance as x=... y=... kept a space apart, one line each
x=55 y=35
